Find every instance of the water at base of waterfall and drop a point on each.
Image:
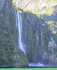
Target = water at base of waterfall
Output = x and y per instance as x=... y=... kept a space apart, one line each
x=36 y=65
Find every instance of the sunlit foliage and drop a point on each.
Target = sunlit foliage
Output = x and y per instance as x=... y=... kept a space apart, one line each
x=36 y=6
x=52 y=26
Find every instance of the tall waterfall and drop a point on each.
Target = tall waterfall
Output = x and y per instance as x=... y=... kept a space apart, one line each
x=19 y=26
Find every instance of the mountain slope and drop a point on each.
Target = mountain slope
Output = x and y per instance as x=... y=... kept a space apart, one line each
x=36 y=6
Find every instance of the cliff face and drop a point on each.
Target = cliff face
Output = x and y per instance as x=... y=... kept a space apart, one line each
x=1 y=4
x=8 y=37
x=39 y=34
x=32 y=29
x=37 y=31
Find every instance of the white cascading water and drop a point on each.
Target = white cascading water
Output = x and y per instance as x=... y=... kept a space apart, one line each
x=38 y=64
x=19 y=26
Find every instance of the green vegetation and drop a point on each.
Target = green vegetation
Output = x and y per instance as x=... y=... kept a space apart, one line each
x=39 y=25
x=10 y=55
x=52 y=26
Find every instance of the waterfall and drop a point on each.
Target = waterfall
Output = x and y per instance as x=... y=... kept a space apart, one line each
x=19 y=26
x=18 y=14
